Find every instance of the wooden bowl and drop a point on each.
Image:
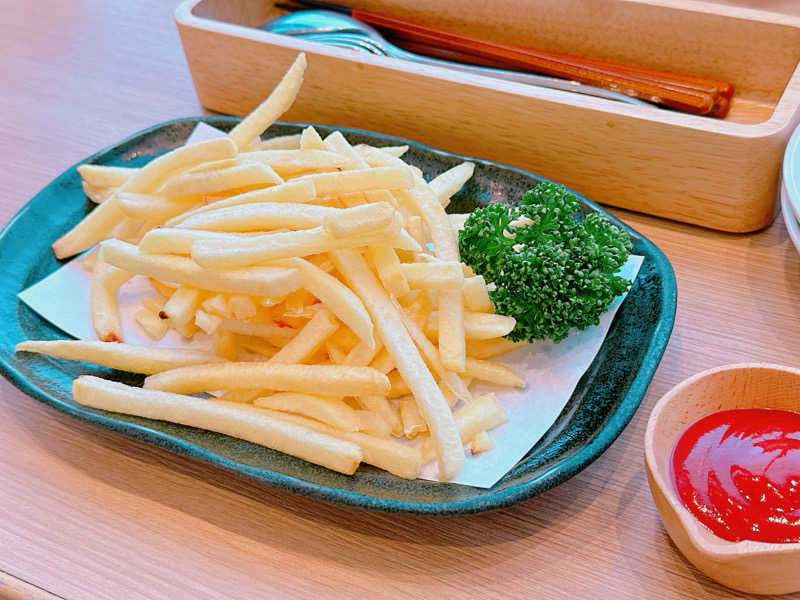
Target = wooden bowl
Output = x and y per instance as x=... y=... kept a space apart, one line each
x=754 y=567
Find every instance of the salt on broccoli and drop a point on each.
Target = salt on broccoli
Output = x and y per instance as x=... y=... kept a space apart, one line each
x=550 y=268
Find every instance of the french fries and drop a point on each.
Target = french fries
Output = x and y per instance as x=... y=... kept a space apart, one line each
x=234 y=419
x=326 y=280
x=409 y=363
x=227 y=252
x=258 y=281
x=278 y=102
x=125 y=357
x=335 y=380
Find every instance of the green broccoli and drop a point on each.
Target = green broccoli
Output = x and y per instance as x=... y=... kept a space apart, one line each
x=551 y=270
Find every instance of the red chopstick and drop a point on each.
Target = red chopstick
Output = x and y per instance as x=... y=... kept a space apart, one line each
x=687 y=93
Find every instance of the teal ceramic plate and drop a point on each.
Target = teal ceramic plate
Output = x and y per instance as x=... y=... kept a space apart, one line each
x=603 y=403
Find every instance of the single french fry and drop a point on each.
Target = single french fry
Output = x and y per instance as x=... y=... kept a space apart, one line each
x=242 y=175
x=310 y=339
x=452 y=345
x=207 y=322
x=388 y=267
x=396 y=151
x=291 y=191
x=217 y=305
x=336 y=380
x=121 y=356
x=490 y=348
x=446 y=184
x=326 y=409
x=155 y=207
x=91 y=229
x=98 y=195
x=153 y=326
x=233 y=419
x=256 y=281
x=259 y=216
x=392 y=456
x=103 y=285
x=358 y=220
x=493 y=372
x=436 y=275
x=403 y=351
x=310 y=139
x=277 y=103
x=481 y=443
x=337 y=143
x=179 y=309
x=476 y=295
x=413 y=423
x=269 y=331
x=292 y=163
x=281 y=142
x=257 y=249
x=360 y=180
x=381 y=157
x=213 y=165
x=105 y=176
x=174 y=240
x=477 y=326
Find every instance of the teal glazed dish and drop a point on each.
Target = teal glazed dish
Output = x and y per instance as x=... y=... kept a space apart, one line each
x=601 y=406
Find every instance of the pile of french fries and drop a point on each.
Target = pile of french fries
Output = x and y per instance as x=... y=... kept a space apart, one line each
x=342 y=321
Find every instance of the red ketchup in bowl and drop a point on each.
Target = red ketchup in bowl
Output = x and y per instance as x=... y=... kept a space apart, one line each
x=738 y=472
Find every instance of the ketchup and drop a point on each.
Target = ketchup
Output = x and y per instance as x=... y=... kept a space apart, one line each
x=738 y=472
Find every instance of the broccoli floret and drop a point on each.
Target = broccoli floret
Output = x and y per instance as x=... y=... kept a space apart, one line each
x=551 y=269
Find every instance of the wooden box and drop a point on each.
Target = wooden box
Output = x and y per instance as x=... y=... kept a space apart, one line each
x=721 y=174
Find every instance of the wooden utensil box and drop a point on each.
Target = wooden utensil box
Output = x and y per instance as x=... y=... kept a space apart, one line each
x=716 y=173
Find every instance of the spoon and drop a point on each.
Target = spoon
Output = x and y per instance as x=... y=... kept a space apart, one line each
x=336 y=29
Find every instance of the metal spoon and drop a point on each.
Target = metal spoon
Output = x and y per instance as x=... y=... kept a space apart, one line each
x=336 y=29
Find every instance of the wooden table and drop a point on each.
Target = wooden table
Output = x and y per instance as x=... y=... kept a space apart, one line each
x=91 y=514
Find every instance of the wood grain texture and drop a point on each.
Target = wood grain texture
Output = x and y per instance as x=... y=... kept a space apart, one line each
x=12 y=588
x=90 y=514
x=713 y=172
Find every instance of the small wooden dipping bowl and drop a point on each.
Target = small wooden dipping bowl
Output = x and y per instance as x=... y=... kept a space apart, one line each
x=748 y=566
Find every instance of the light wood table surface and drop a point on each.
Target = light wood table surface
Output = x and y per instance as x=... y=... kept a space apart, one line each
x=86 y=513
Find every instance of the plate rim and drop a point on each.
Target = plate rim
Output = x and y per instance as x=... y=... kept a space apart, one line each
x=558 y=473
